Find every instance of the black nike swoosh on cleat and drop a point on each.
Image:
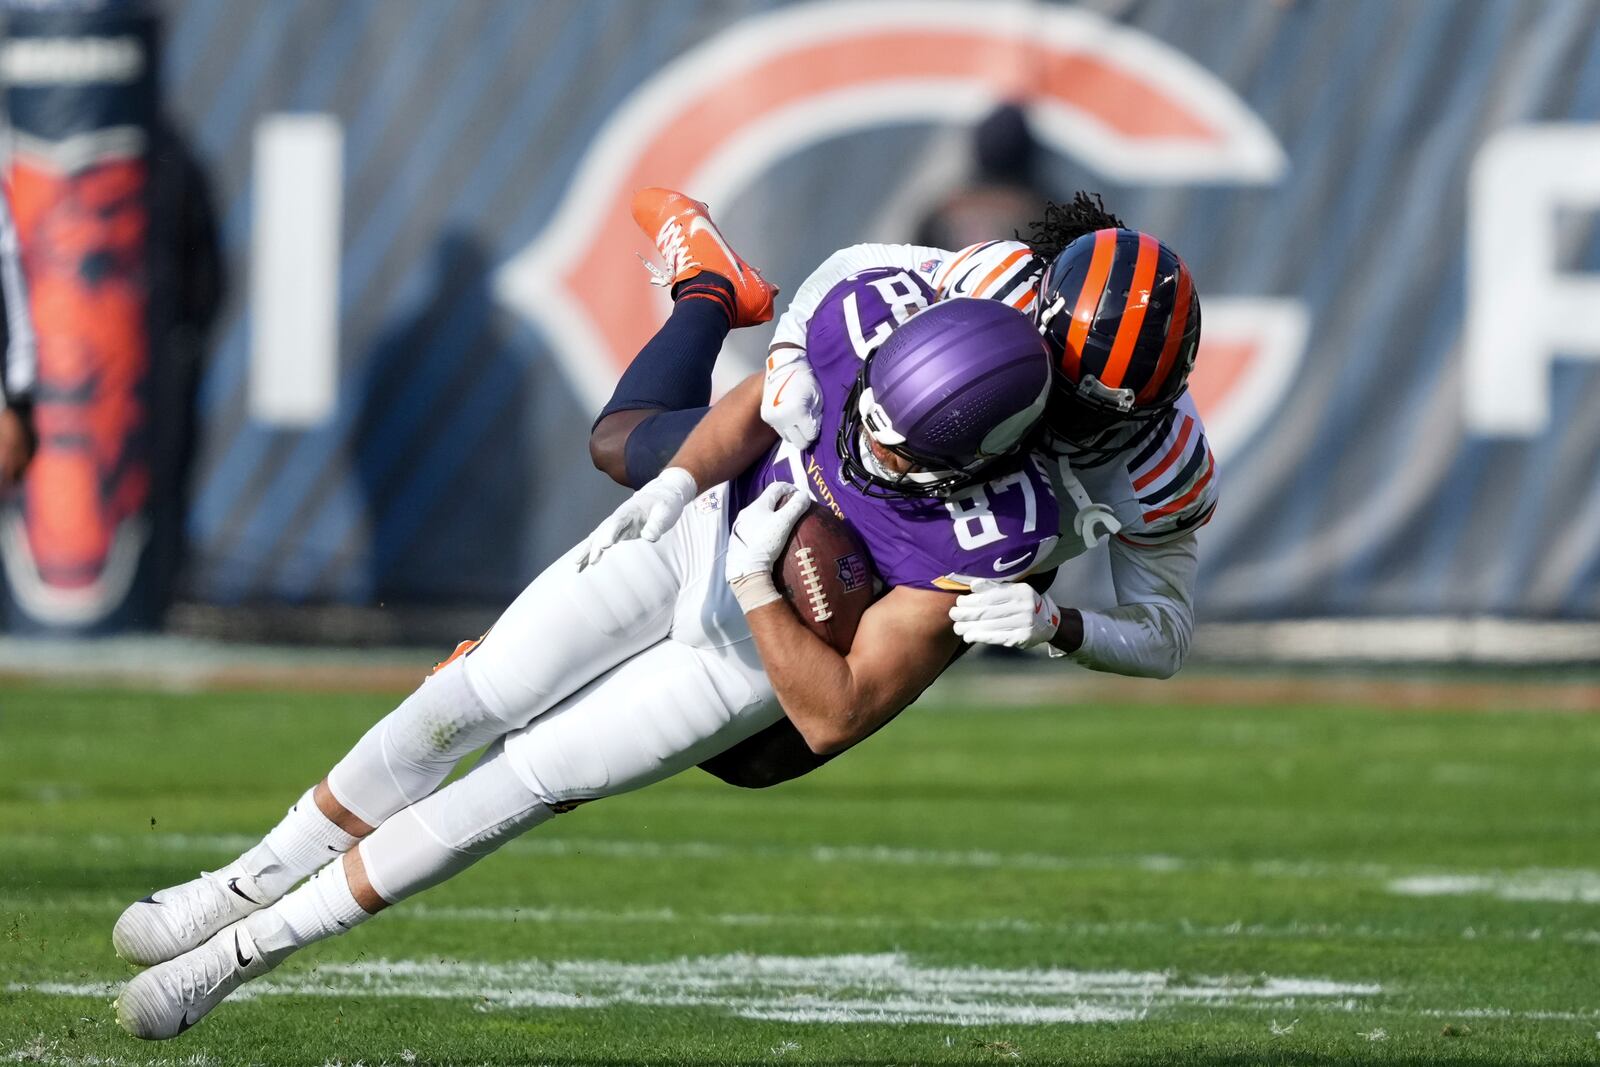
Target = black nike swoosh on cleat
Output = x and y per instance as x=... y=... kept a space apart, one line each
x=233 y=884
x=151 y=899
x=239 y=953
x=185 y=1022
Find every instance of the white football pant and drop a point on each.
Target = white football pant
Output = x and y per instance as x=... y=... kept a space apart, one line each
x=598 y=682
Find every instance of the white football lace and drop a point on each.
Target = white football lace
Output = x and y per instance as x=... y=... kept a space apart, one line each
x=674 y=249
x=185 y=985
x=197 y=903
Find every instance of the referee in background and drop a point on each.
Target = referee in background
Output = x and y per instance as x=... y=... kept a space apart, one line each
x=19 y=358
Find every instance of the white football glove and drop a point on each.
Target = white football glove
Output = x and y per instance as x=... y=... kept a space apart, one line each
x=1005 y=613
x=647 y=514
x=791 y=397
x=759 y=533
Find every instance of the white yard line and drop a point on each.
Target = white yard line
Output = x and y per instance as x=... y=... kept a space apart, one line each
x=866 y=988
x=880 y=988
x=1565 y=887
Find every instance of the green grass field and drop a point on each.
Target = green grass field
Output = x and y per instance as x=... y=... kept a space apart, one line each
x=1086 y=884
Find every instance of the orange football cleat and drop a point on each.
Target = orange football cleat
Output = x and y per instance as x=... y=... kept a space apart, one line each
x=690 y=242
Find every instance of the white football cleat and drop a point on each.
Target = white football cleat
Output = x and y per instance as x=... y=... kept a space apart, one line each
x=169 y=998
x=168 y=923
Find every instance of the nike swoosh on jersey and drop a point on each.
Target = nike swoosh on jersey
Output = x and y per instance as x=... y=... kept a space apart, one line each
x=1007 y=564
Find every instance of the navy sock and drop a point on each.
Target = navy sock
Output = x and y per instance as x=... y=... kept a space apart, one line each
x=673 y=370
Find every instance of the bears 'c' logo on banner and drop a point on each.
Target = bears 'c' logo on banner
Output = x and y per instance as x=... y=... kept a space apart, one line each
x=710 y=122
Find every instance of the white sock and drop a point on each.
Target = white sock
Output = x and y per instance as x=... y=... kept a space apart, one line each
x=324 y=906
x=303 y=842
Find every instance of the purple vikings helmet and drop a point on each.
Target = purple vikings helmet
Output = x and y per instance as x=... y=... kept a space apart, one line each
x=958 y=386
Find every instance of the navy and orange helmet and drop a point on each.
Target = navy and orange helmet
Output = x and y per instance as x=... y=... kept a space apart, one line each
x=1121 y=317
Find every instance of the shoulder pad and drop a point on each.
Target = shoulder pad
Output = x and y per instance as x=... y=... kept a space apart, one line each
x=1174 y=477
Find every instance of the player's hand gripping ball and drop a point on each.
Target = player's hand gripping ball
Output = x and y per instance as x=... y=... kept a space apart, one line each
x=783 y=545
x=759 y=533
x=826 y=575
x=791 y=398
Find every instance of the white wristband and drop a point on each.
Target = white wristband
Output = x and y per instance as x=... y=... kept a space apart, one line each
x=754 y=590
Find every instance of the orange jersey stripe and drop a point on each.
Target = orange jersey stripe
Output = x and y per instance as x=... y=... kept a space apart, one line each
x=999 y=272
x=946 y=274
x=1169 y=351
x=1211 y=513
x=1144 y=275
x=1188 y=498
x=1094 y=283
x=1170 y=458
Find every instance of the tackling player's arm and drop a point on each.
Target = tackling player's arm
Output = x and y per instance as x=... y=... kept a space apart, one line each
x=903 y=643
x=1147 y=634
x=729 y=439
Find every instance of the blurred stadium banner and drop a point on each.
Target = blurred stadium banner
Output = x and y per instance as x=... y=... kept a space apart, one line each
x=1390 y=211
x=81 y=103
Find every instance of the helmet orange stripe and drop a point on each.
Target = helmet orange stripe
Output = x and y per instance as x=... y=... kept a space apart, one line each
x=999 y=272
x=1144 y=275
x=1175 y=328
x=1094 y=283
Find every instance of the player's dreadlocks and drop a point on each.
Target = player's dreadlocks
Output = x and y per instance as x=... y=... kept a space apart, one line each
x=1064 y=223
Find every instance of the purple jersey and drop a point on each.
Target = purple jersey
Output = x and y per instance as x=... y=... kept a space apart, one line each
x=1000 y=529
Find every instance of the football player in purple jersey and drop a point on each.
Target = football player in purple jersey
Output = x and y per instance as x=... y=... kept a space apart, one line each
x=1127 y=451
x=661 y=640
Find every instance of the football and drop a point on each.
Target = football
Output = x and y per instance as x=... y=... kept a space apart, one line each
x=826 y=575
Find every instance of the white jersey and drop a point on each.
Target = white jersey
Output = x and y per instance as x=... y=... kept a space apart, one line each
x=1162 y=488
